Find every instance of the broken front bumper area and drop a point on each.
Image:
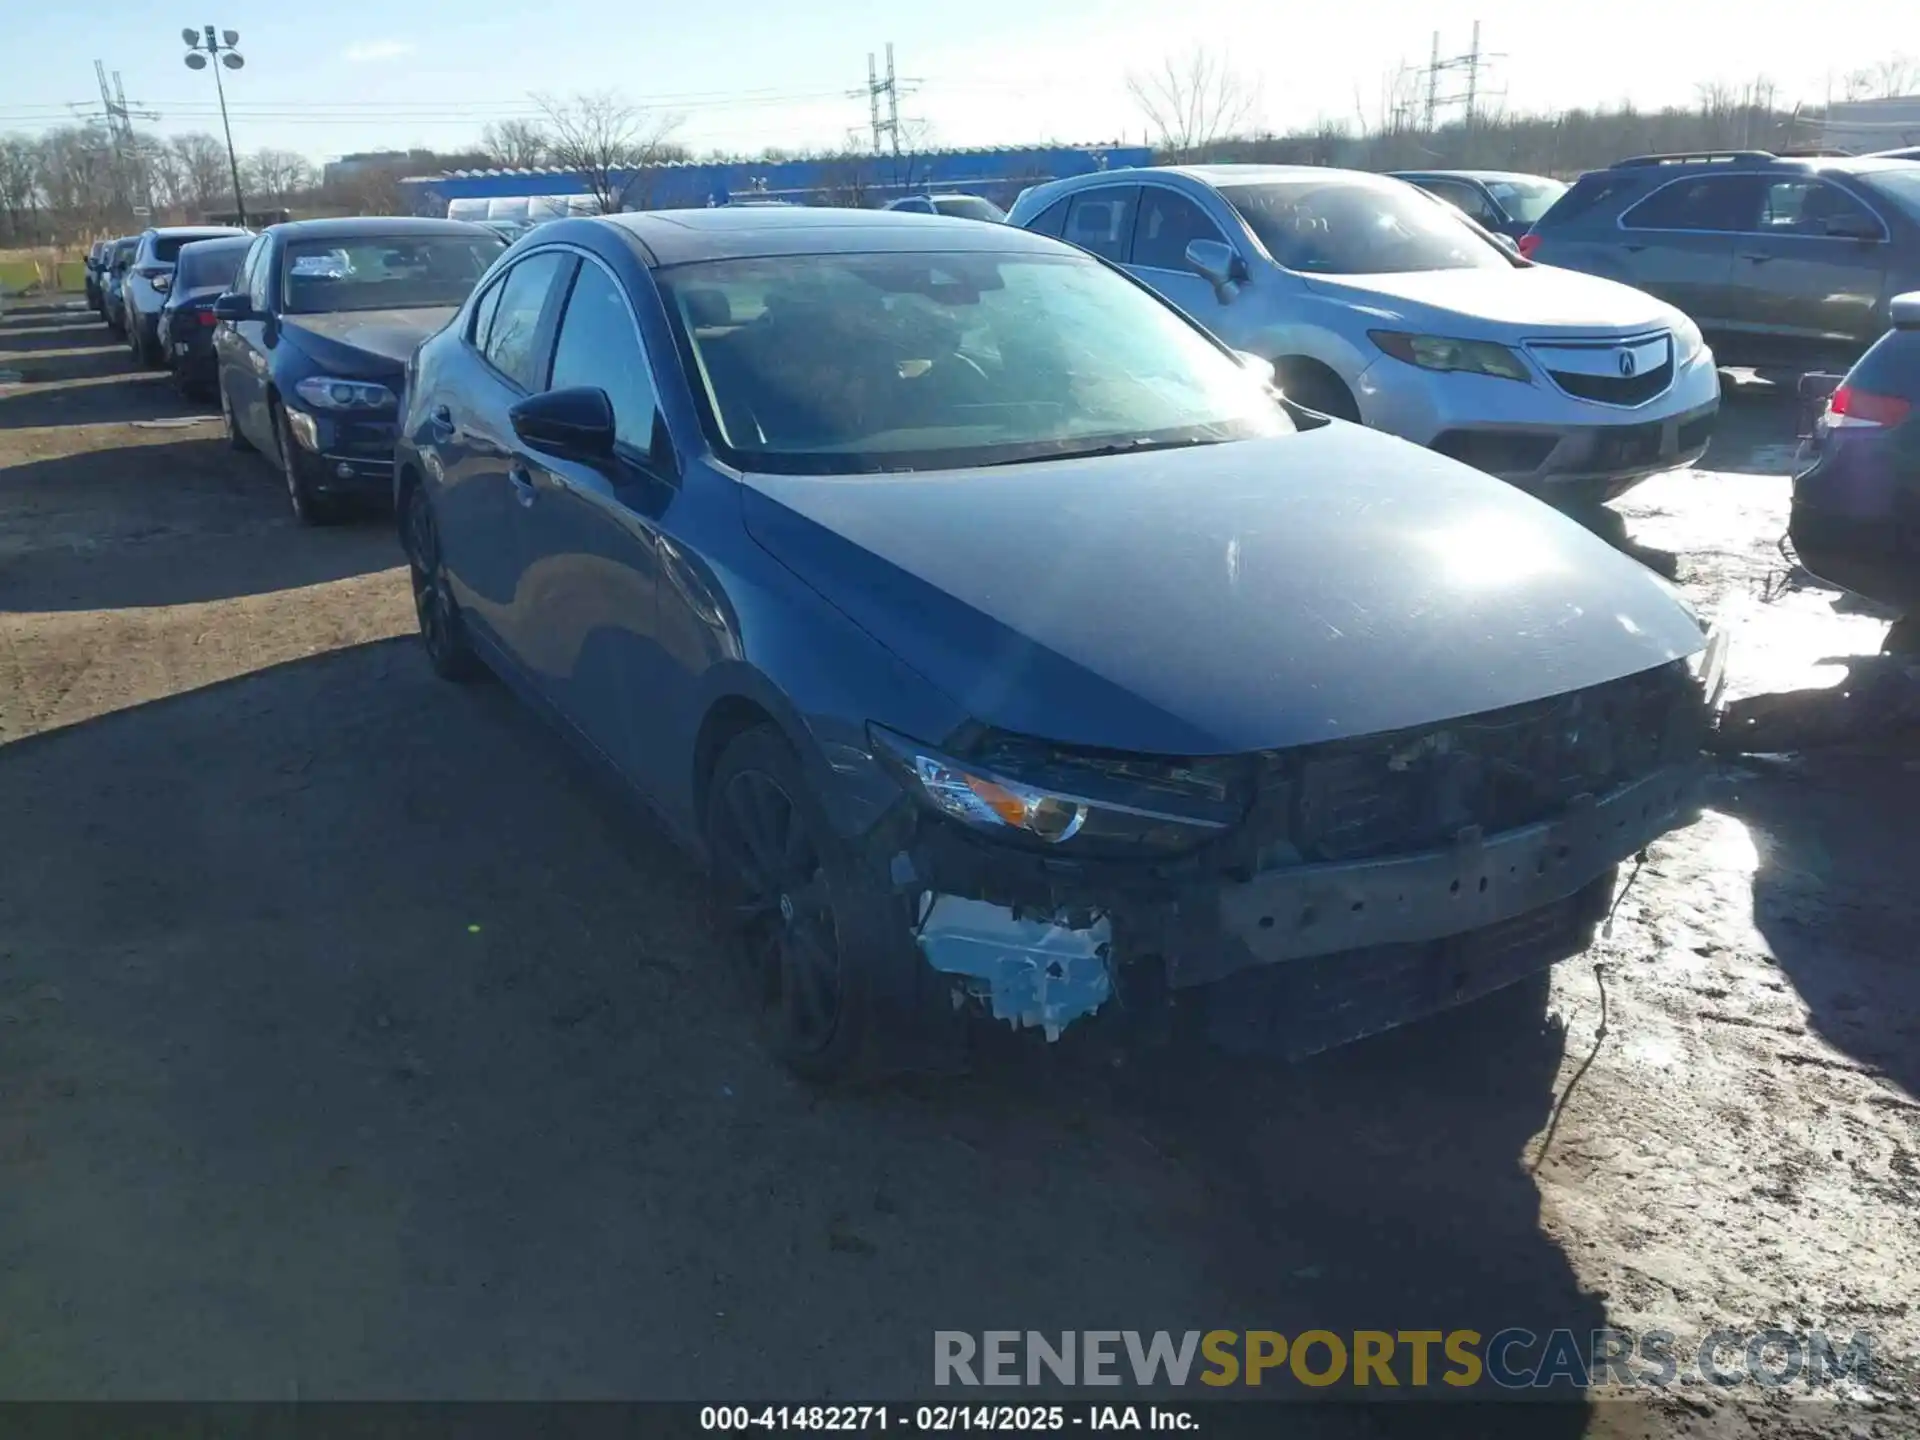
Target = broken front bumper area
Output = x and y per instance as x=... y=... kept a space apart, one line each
x=1295 y=959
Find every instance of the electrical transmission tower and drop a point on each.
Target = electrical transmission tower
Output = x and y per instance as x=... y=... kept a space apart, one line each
x=1474 y=65
x=117 y=116
x=891 y=88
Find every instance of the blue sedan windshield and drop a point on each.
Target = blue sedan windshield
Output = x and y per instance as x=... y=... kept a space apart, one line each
x=844 y=363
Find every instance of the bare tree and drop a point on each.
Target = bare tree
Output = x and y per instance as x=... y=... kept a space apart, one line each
x=276 y=174
x=603 y=138
x=1192 y=102
x=847 y=180
x=19 y=189
x=204 y=179
x=1895 y=76
x=515 y=144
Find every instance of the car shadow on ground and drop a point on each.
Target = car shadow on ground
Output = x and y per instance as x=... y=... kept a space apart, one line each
x=364 y=1043
x=1757 y=432
x=167 y=523
x=1836 y=833
x=73 y=372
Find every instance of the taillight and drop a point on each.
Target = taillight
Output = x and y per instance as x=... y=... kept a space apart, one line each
x=1529 y=243
x=208 y=319
x=1851 y=407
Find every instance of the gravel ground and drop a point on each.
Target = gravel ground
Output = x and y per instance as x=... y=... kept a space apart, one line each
x=354 y=1043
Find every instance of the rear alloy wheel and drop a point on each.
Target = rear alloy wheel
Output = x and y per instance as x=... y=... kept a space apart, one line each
x=308 y=508
x=782 y=887
x=235 y=440
x=441 y=629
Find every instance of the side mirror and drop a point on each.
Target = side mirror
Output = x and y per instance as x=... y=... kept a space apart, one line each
x=1904 y=311
x=1853 y=227
x=571 y=424
x=1256 y=365
x=1216 y=262
x=1505 y=242
x=233 y=306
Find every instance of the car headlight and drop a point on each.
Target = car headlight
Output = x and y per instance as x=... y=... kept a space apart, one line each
x=1184 y=807
x=328 y=393
x=1437 y=352
x=1688 y=342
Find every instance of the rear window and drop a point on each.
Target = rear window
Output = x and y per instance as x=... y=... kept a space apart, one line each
x=204 y=266
x=166 y=248
x=969 y=207
x=1897 y=184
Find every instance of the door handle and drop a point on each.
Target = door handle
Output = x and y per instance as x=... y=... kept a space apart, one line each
x=440 y=419
x=522 y=483
x=1758 y=257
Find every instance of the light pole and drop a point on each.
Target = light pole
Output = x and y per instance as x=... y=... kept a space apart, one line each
x=202 y=50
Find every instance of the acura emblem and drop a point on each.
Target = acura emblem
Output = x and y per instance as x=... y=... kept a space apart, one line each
x=1626 y=364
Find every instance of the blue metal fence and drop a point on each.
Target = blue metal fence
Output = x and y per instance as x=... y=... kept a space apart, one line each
x=996 y=174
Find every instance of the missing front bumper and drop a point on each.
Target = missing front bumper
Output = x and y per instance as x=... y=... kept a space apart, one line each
x=1315 y=954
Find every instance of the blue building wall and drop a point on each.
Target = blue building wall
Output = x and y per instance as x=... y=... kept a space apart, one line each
x=997 y=174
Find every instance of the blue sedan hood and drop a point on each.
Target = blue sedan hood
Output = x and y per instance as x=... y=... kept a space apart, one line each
x=1225 y=598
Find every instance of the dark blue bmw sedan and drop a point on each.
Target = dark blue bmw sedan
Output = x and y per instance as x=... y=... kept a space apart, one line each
x=1009 y=648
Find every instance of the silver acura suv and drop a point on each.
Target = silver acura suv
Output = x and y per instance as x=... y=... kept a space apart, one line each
x=1378 y=303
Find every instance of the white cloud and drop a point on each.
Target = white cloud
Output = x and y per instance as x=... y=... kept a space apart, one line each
x=373 y=51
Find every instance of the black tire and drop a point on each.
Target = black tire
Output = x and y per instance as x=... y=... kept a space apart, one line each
x=1903 y=637
x=308 y=508
x=1309 y=383
x=804 y=926
x=235 y=440
x=114 y=327
x=442 y=630
x=146 y=353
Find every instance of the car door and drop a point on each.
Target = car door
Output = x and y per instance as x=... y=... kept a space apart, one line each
x=485 y=494
x=590 y=587
x=1678 y=244
x=244 y=359
x=1814 y=267
x=1166 y=221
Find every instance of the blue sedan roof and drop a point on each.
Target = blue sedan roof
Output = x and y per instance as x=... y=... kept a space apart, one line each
x=679 y=237
x=348 y=227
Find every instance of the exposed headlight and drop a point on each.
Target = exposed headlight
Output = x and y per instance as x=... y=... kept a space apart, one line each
x=1437 y=352
x=1688 y=342
x=330 y=394
x=1087 y=818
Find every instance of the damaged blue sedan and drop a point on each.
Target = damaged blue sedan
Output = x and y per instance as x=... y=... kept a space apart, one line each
x=1010 y=649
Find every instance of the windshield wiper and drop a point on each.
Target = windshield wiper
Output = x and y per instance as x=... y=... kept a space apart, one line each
x=1138 y=446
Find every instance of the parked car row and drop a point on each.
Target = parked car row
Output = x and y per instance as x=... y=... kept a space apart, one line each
x=972 y=602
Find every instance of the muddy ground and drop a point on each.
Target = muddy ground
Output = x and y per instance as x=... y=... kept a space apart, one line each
x=354 y=1042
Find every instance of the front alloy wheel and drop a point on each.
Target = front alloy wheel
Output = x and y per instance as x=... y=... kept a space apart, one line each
x=308 y=508
x=783 y=891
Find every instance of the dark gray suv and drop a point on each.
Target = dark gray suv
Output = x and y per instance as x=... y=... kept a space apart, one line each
x=1778 y=260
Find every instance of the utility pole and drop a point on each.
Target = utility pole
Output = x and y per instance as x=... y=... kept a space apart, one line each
x=893 y=103
x=217 y=50
x=1473 y=72
x=892 y=87
x=1433 y=83
x=130 y=179
x=873 y=100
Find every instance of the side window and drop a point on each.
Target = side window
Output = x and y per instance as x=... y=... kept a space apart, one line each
x=259 y=268
x=599 y=346
x=1708 y=202
x=483 y=313
x=1805 y=206
x=1052 y=220
x=1168 y=221
x=1102 y=220
x=243 y=278
x=515 y=328
x=1464 y=198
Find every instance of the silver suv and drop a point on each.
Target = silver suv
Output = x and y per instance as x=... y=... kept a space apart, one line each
x=1376 y=302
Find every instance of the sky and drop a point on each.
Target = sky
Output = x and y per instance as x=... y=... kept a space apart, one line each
x=347 y=75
